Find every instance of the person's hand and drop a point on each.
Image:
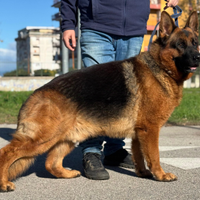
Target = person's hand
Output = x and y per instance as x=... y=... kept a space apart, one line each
x=172 y=3
x=69 y=39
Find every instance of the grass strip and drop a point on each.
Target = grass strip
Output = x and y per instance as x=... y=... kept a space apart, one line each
x=187 y=113
x=10 y=103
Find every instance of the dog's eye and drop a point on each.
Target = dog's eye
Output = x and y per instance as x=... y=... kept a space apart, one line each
x=182 y=45
x=194 y=43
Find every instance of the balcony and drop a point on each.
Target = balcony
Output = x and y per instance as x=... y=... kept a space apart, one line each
x=56 y=3
x=56 y=17
x=155 y=4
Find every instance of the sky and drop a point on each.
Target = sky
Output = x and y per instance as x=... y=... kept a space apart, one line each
x=16 y=15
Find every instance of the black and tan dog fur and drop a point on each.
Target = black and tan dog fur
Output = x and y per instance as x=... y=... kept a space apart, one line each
x=129 y=98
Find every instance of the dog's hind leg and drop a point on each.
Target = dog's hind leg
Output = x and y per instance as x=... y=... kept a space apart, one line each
x=11 y=166
x=17 y=156
x=55 y=159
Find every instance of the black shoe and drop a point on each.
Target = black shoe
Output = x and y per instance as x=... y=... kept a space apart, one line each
x=93 y=167
x=120 y=158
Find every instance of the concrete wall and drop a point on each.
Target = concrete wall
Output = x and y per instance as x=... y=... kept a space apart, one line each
x=22 y=83
x=32 y=83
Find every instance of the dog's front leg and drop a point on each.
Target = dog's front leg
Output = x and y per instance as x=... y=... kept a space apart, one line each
x=148 y=142
x=138 y=160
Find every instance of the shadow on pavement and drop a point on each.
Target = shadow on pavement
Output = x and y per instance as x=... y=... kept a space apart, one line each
x=69 y=162
x=73 y=160
x=6 y=133
x=191 y=127
x=184 y=126
x=129 y=172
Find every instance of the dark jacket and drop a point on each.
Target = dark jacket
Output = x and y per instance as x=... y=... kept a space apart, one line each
x=118 y=17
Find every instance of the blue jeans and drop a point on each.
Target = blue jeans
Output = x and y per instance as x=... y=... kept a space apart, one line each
x=98 y=47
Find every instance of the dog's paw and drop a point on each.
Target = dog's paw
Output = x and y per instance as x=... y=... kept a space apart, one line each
x=7 y=187
x=167 y=177
x=75 y=173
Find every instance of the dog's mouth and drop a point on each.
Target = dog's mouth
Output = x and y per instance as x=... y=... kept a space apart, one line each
x=192 y=69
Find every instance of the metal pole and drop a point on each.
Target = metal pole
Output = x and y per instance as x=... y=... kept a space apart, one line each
x=17 y=68
x=78 y=43
x=199 y=78
x=65 y=59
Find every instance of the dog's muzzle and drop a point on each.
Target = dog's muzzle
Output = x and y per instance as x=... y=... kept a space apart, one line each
x=196 y=59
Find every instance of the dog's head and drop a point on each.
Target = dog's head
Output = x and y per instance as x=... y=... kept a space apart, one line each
x=178 y=48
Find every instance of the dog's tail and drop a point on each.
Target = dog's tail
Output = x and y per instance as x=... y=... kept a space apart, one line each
x=19 y=166
x=13 y=150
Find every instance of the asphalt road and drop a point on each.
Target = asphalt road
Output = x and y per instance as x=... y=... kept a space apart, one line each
x=179 y=152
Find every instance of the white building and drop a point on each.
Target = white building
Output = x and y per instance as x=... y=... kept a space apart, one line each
x=38 y=48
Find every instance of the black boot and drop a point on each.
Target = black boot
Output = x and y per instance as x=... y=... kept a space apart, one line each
x=119 y=158
x=93 y=167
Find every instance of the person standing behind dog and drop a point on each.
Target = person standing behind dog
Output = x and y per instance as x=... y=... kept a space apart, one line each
x=111 y=30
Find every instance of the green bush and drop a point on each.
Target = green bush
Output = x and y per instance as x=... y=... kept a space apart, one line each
x=19 y=72
x=45 y=72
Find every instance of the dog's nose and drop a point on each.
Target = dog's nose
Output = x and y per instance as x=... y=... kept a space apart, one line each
x=196 y=57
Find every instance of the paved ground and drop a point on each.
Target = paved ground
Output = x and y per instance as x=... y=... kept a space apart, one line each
x=179 y=152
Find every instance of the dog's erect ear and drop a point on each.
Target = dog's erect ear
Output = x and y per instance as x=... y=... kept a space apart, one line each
x=192 y=22
x=166 y=24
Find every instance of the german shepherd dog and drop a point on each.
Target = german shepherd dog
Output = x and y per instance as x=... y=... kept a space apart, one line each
x=130 y=98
